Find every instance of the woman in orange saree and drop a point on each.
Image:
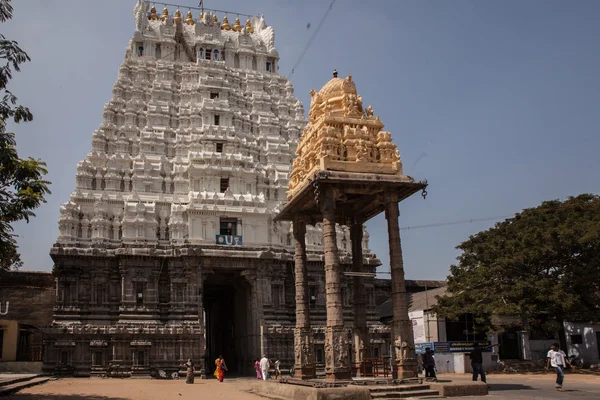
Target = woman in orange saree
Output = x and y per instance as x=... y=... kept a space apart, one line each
x=220 y=369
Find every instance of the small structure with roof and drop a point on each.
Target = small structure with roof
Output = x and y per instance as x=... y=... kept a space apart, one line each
x=347 y=170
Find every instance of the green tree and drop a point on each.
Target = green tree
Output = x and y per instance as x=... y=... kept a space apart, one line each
x=543 y=266
x=22 y=187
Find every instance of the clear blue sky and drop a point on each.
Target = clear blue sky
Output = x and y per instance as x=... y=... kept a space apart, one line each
x=495 y=103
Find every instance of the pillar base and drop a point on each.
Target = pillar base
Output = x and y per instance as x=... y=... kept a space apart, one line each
x=337 y=362
x=304 y=354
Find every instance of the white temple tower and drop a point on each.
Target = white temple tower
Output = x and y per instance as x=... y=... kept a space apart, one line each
x=167 y=248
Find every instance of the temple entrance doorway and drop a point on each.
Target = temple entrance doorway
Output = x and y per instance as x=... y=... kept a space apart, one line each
x=228 y=314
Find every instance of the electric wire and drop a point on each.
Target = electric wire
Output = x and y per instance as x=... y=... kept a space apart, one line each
x=312 y=38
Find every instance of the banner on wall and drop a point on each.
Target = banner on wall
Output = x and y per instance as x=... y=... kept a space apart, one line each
x=418 y=325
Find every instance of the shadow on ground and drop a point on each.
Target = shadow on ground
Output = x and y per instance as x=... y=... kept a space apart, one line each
x=493 y=387
x=25 y=396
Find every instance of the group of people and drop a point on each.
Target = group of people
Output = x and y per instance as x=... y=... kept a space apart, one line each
x=220 y=369
x=263 y=368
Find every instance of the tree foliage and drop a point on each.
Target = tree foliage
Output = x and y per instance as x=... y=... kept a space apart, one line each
x=543 y=266
x=22 y=187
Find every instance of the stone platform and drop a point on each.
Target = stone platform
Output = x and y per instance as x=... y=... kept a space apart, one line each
x=364 y=389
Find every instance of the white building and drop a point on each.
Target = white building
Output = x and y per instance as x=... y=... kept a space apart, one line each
x=169 y=234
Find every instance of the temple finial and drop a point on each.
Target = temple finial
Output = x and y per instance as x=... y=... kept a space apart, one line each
x=153 y=16
x=335 y=73
x=177 y=16
x=225 y=25
x=237 y=26
x=249 y=27
x=189 y=19
x=165 y=14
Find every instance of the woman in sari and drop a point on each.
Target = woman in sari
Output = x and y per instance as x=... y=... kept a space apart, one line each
x=220 y=368
x=189 y=374
x=257 y=369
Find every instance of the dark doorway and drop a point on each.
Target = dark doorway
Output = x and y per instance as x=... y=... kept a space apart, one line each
x=228 y=316
x=509 y=345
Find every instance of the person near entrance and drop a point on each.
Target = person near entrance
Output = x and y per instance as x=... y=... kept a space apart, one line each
x=220 y=369
x=189 y=371
x=477 y=361
x=264 y=367
x=429 y=363
x=277 y=371
x=558 y=360
x=257 y=369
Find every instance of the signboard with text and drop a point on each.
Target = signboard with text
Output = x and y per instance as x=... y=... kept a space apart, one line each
x=420 y=347
x=229 y=240
x=459 y=346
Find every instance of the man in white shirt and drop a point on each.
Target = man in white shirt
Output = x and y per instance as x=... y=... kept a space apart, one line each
x=265 y=365
x=558 y=360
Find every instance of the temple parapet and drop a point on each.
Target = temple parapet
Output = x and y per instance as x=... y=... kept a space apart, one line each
x=342 y=136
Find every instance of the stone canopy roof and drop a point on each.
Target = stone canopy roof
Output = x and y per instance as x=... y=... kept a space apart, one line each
x=342 y=136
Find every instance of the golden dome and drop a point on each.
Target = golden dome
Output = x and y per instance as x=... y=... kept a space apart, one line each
x=215 y=20
x=237 y=26
x=153 y=15
x=225 y=25
x=165 y=14
x=337 y=87
x=249 y=27
x=189 y=19
x=177 y=16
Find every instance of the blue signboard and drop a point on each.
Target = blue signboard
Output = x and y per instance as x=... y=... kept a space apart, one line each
x=229 y=240
x=420 y=347
x=460 y=347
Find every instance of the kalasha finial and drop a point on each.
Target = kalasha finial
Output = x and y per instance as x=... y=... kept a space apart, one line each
x=165 y=14
x=189 y=18
x=215 y=19
x=237 y=26
x=225 y=25
x=153 y=16
x=335 y=74
x=249 y=27
x=177 y=16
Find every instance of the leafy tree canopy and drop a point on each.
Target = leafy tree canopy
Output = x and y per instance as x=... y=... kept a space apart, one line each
x=543 y=265
x=22 y=187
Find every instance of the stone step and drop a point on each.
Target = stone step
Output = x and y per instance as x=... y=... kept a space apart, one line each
x=7 y=390
x=399 y=388
x=8 y=379
x=405 y=395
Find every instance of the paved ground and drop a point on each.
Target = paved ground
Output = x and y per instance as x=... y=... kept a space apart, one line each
x=538 y=386
x=502 y=387
x=133 y=389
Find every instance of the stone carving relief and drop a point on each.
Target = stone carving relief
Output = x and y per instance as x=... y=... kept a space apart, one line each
x=344 y=135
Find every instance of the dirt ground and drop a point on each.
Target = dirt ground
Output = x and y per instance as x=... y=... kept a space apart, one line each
x=134 y=389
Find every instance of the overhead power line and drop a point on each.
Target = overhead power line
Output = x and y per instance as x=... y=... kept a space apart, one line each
x=465 y=221
x=312 y=38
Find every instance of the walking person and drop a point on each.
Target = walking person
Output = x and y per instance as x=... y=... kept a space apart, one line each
x=429 y=363
x=277 y=371
x=220 y=369
x=558 y=360
x=189 y=371
x=477 y=361
x=264 y=367
x=257 y=369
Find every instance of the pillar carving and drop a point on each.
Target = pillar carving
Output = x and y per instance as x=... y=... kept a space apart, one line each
x=337 y=363
x=402 y=335
x=304 y=350
x=359 y=301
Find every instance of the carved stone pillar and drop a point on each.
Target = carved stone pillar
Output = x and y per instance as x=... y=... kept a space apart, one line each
x=304 y=350
x=337 y=363
x=359 y=301
x=402 y=335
